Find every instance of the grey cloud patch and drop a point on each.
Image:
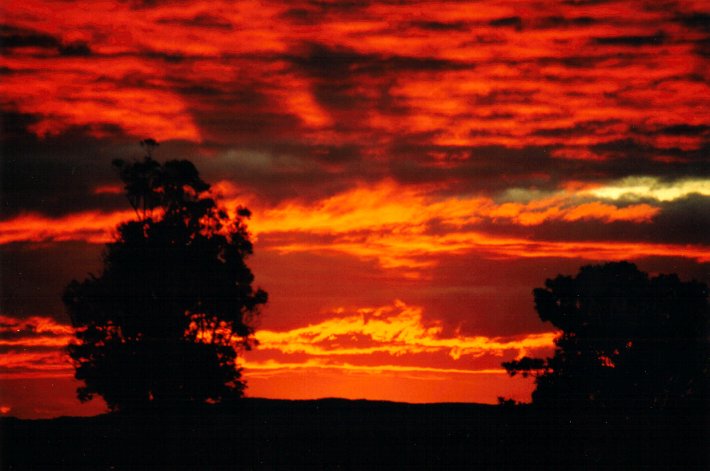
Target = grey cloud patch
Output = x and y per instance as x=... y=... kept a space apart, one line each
x=288 y=170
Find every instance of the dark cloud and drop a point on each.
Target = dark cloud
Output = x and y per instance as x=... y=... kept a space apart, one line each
x=325 y=62
x=201 y=20
x=493 y=168
x=169 y=57
x=565 y=22
x=586 y=2
x=507 y=96
x=683 y=221
x=631 y=157
x=579 y=128
x=633 y=41
x=56 y=174
x=80 y=49
x=293 y=170
x=34 y=276
x=698 y=20
x=686 y=130
x=509 y=21
x=442 y=26
x=337 y=77
x=147 y=4
x=613 y=126
x=686 y=220
x=313 y=12
x=486 y=168
x=13 y=37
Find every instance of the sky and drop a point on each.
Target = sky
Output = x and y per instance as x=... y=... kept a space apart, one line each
x=414 y=170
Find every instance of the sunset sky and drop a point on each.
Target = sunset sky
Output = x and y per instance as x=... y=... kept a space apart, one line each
x=414 y=170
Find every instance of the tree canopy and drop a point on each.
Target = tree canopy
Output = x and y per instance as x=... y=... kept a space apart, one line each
x=627 y=339
x=163 y=322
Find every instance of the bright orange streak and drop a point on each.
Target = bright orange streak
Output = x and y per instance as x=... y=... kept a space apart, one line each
x=93 y=227
x=396 y=330
x=35 y=364
x=387 y=205
x=390 y=223
x=272 y=368
x=39 y=324
x=420 y=251
x=38 y=342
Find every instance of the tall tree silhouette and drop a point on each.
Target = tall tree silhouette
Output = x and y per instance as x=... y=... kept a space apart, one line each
x=627 y=340
x=163 y=322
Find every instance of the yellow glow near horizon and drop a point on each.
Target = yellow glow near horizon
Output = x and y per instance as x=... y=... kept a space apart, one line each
x=635 y=188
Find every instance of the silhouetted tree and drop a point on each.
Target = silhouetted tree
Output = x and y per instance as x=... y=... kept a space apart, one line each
x=627 y=340
x=162 y=324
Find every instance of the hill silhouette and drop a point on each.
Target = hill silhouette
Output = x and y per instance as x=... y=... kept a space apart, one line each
x=343 y=434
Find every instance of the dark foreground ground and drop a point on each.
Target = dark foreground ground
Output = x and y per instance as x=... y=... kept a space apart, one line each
x=339 y=434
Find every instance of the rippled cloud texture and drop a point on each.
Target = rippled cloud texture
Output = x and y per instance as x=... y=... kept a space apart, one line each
x=414 y=170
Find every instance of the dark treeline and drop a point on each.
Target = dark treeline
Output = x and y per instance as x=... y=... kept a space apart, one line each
x=339 y=434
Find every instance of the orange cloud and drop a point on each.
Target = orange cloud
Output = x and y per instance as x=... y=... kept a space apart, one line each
x=544 y=69
x=23 y=364
x=91 y=226
x=387 y=205
x=271 y=368
x=396 y=330
x=39 y=324
x=391 y=223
